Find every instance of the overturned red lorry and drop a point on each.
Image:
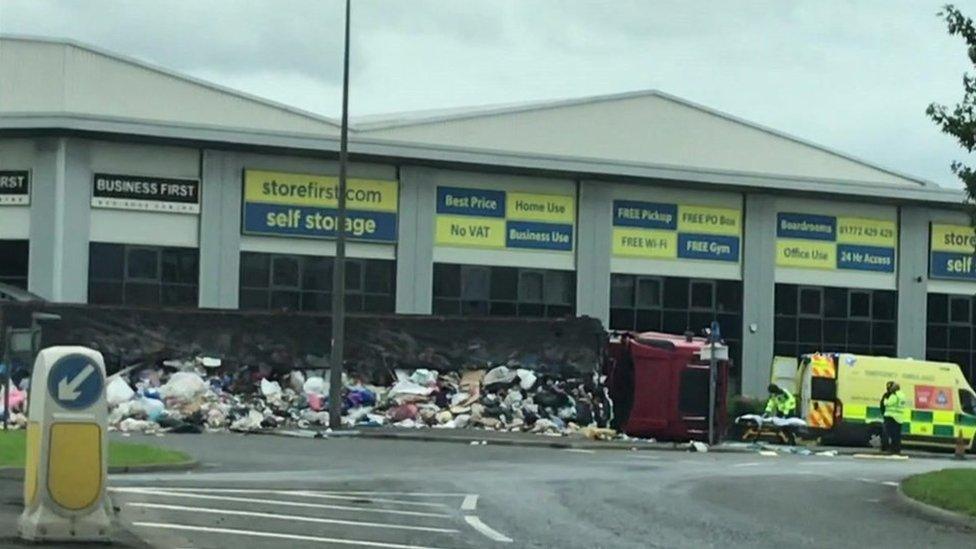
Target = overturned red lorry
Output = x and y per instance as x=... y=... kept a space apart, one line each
x=659 y=384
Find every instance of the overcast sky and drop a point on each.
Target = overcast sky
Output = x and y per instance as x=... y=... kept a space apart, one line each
x=854 y=76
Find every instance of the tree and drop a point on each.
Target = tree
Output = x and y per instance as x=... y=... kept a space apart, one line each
x=960 y=122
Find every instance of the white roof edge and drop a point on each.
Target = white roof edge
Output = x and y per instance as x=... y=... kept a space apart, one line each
x=489 y=110
x=170 y=73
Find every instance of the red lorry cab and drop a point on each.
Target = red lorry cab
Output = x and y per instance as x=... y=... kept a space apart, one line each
x=659 y=386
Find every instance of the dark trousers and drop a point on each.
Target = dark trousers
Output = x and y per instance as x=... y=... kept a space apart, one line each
x=891 y=436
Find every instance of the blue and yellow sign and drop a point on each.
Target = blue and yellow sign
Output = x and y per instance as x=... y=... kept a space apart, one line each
x=289 y=204
x=808 y=241
x=651 y=230
x=953 y=249
x=483 y=218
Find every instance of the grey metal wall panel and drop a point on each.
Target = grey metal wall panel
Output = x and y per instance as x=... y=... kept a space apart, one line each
x=913 y=249
x=220 y=235
x=593 y=250
x=758 y=290
x=415 y=248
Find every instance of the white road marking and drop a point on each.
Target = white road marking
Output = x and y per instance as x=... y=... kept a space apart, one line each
x=254 y=533
x=301 y=493
x=402 y=494
x=490 y=533
x=297 y=518
x=815 y=463
x=890 y=483
x=750 y=464
x=867 y=480
x=470 y=502
x=579 y=451
x=284 y=503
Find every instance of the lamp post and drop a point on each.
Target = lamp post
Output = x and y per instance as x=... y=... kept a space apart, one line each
x=339 y=268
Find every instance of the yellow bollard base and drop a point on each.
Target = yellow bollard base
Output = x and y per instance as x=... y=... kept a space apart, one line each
x=41 y=524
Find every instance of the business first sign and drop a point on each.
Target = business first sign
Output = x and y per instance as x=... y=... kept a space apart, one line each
x=14 y=188
x=651 y=230
x=484 y=218
x=289 y=204
x=952 y=251
x=808 y=241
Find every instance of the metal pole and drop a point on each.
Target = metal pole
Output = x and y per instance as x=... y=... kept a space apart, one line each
x=339 y=269
x=712 y=365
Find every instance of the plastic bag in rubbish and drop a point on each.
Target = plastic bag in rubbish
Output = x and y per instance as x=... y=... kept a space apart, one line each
x=423 y=377
x=409 y=388
x=501 y=375
x=317 y=385
x=527 y=378
x=183 y=386
x=297 y=381
x=17 y=398
x=250 y=422
x=155 y=409
x=118 y=391
x=270 y=388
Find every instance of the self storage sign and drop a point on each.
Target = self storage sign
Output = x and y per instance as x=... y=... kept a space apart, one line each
x=952 y=251
x=147 y=193
x=301 y=205
x=485 y=218
x=652 y=230
x=808 y=241
x=14 y=188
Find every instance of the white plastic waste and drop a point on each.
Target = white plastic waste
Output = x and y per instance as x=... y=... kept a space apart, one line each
x=317 y=385
x=250 y=422
x=527 y=378
x=409 y=388
x=183 y=386
x=154 y=408
x=270 y=388
x=424 y=377
x=501 y=374
x=118 y=391
x=208 y=362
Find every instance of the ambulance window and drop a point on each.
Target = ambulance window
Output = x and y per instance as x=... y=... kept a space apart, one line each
x=968 y=401
x=959 y=309
x=859 y=305
x=811 y=301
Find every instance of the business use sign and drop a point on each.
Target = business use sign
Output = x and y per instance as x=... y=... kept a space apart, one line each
x=952 y=251
x=486 y=218
x=653 y=230
x=808 y=241
x=301 y=205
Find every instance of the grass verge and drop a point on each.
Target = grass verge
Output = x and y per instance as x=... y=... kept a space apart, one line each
x=120 y=454
x=952 y=489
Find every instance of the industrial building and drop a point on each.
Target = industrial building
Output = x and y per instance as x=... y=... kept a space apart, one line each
x=127 y=183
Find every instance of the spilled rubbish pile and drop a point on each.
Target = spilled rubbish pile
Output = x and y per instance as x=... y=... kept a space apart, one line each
x=200 y=395
x=15 y=415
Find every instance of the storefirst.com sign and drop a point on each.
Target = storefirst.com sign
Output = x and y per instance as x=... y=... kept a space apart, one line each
x=483 y=218
x=650 y=230
x=288 y=204
x=808 y=241
x=147 y=193
x=952 y=251
x=14 y=187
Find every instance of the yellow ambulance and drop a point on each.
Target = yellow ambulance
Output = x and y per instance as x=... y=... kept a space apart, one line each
x=840 y=396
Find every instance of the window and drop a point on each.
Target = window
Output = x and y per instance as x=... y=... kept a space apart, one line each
x=814 y=318
x=503 y=291
x=967 y=401
x=676 y=305
x=304 y=283
x=950 y=333
x=147 y=276
x=13 y=262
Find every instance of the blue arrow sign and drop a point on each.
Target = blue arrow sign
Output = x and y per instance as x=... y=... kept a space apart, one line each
x=75 y=382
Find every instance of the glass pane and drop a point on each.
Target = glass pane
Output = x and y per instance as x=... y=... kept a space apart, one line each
x=255 y=270
x=938 y=309
x=675 y=322
x=622 y=319
x=474 y=308
x=959 y=337
x=860 y=305
x=622 y=291
x=558 y=311
x=446 y=307
x=531 y=309
x=835 y=303
x=530 y=288
x=254 y=299
x=810 y=331
x=785 y=299
x=648 y=293
x=675 y=293
x=884 y=305
x=503 y=308
x=290 y=300
x=317 y=274
x=648 y=321
x=835 y=334
x=379 y=276
x=810 y=301
x=474 y=283
x=702 y=295
x=859 y=333
x=785 y=329
x=142 y=295
x=731 y=326
x=284 y=272
x=728 y=296
x=504 y=284
x=105 y=293
x=937 y=336
x=316 y=301
x=13 y=258
x=179 y=295
x=142 y=263
x=559 y=287
x=354 y=303
x=106 y=261
x=180 y=265
x=447 y=280
x=884 y=334
x=354 y=275
x=959 y=309
x=379 y=303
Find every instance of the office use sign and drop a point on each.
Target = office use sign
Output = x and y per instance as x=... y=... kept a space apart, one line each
x=810 y=241
x=302 y=205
